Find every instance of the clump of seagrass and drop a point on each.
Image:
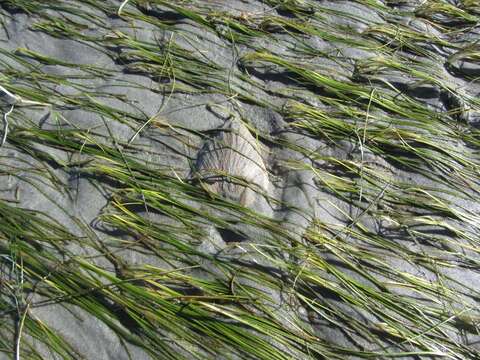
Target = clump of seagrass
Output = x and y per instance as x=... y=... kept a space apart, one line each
x=230 y=164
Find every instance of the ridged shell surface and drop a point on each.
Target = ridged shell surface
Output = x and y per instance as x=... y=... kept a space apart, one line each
x=230 y=157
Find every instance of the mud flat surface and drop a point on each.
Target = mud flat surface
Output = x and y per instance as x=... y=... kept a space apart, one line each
x=278 y=179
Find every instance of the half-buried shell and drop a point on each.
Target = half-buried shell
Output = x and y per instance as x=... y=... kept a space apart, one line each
x=230 y=164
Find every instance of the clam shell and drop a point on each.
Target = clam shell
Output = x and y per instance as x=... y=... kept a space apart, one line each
x=230 y=164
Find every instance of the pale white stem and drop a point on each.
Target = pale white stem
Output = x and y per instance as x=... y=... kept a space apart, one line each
x=119 y=12
x=5 y=126
x=20 y=330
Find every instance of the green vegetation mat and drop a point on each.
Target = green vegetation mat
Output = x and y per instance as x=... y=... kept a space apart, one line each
x=368 y=116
